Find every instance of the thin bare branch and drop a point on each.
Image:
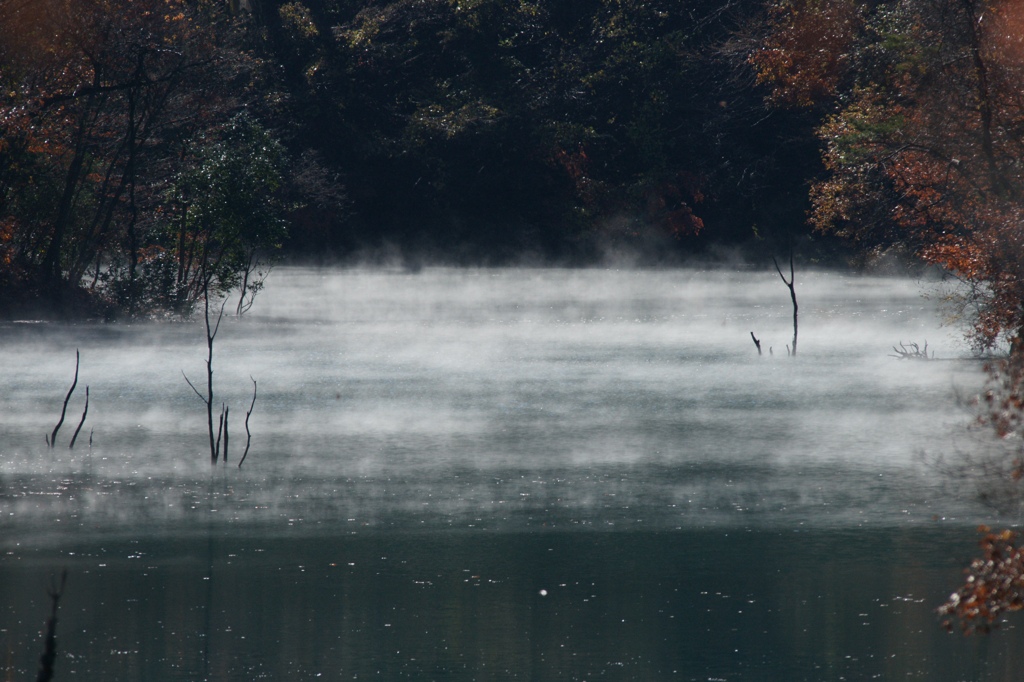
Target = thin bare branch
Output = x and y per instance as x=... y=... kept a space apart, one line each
x=790 y=283
x=911 y=351
x=53 y=436
x=224 y=455
x=248 y=434
x=220 y=430
x=193 y=387
x=82 y=422
x=216 y=327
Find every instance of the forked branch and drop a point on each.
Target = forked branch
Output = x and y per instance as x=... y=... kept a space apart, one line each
x=912 y=351
x=790 y=283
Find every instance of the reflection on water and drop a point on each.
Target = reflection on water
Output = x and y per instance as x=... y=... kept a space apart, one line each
x=432 y=450
x=467 y=605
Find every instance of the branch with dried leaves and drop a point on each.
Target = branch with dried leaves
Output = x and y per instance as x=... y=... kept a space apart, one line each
x=994 y=585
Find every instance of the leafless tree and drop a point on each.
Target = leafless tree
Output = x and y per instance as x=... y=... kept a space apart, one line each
x=790 y=283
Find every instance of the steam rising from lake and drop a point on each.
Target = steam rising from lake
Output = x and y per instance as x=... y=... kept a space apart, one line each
x=502 y=398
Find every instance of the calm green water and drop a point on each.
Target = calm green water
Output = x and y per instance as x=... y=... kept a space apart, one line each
x=467 y=605
x=506 y=474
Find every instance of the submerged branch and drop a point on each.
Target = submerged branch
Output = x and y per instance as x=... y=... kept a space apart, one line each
x=912 y=351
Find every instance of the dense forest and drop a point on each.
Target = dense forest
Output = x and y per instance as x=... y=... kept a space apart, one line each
x=155 y=150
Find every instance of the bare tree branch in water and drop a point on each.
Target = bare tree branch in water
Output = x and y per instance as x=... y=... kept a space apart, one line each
x=790 y=283
x=52 y=441
x=85 y=412
x=222 y=429
x=912 y=351
x=211 y=334
x=248 y=434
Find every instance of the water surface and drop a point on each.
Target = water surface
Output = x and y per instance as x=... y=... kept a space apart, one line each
x=495 y=474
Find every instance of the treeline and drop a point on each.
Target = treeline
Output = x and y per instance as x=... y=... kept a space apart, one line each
x=155 y=149
x=484 y=130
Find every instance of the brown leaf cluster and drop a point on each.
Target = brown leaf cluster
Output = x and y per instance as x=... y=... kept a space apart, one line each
x=923 y=141
x=993 y=587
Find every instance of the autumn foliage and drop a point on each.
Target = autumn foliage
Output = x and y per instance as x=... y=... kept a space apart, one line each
x=806 y=55
x=102 y=103
x=994 y=585
x=922 y=136
x=921 y=139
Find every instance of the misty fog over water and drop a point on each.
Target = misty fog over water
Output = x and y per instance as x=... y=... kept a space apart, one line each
x=620 y=419
x=506 y=397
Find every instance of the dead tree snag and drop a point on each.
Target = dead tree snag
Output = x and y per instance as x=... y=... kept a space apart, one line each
x=248 y=435
x=211 y=334
x=790 y=283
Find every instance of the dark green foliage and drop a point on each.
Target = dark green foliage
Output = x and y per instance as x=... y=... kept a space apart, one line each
x=480 y=129
x=462 y=130
x=226 y=221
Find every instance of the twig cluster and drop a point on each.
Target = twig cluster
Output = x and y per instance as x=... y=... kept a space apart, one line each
x=911 y=351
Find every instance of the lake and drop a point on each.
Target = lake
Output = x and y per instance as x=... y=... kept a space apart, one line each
x=538 y=474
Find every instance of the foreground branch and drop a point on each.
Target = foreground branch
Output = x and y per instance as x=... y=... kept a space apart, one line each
x=993 y=588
